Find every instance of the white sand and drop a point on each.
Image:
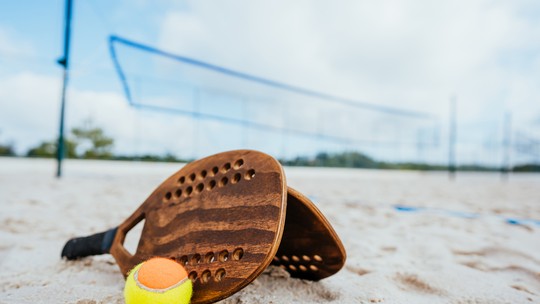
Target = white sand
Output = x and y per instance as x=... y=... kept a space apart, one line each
x=393 y=257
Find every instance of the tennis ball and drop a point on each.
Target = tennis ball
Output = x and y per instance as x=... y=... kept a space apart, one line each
x=158 y=281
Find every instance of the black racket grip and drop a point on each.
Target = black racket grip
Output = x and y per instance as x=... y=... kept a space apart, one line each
x=99 y=243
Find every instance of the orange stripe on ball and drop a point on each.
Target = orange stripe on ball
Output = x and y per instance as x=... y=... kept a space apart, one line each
x=161 y=273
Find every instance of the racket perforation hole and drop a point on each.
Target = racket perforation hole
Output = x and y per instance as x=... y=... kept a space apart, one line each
x=317 y=258
x=189 y=190
x=237 y=164
x=203 y=174
x=276 y=260
x=168 y=196
x=192 y=177
x=292 y=267
x=238 y=254
x=199 y=188
x=302 y=268
x=219 y=275
x=178 y=193
x=193 y=276
x=306 y=258
x=223 y=256
x=211 y=185
x=250 y=174
x=295 y=259
x=313 y=268
x=195 y=259
x=226 y=168
x=209 y=257
x=183 y=260
x=285 y=258
x=236 y=178
x=205 y=276
x=215 y=170
x=181 y=180
x=223 y=182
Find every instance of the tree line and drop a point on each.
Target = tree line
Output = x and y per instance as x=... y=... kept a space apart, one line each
x=91 y=142
x=360 y=160
x=84 y=142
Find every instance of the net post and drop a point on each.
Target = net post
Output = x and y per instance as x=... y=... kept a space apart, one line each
x=64 y=62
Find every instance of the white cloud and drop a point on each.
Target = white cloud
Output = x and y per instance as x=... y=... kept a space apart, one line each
x=409 y=54
x=399 y=53
x=412 y=54
x=27 y=114
x=31 y=110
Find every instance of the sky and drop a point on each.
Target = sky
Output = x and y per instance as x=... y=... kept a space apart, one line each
x=413 y=55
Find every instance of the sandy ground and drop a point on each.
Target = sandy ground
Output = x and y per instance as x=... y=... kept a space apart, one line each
x=433 y=255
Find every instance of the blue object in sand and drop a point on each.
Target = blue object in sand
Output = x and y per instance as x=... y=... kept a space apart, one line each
x=406 y=208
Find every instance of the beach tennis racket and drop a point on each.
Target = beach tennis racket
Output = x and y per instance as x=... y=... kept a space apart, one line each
x=310 y=249
x=223 y=218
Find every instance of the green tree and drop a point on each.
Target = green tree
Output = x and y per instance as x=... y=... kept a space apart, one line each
x=99 y=145
x=48 y=149
x=7 y=150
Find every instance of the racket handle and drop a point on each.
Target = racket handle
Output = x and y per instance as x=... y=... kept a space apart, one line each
x=99 y=243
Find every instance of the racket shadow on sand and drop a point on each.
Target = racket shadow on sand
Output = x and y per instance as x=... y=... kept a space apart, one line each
x=226 y=218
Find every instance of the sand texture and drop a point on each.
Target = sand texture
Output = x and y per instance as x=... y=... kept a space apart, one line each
x=459 y=249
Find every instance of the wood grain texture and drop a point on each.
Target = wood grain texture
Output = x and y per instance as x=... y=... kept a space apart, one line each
x=310 y=248
x=226 y=218
x=222 y=217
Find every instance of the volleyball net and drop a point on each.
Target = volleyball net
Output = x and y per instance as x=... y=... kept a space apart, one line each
x=198 y=108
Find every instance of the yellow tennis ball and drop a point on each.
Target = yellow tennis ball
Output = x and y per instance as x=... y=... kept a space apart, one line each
x=158 y=281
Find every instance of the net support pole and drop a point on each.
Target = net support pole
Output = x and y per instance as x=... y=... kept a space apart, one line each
x=64 y=62
x=506 y=166
x=452 y=140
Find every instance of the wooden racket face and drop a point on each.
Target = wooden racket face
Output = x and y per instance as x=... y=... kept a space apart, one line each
x=310 y=248
x=222 y=217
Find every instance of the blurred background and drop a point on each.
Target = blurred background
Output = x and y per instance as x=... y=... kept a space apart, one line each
x=373 y=84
